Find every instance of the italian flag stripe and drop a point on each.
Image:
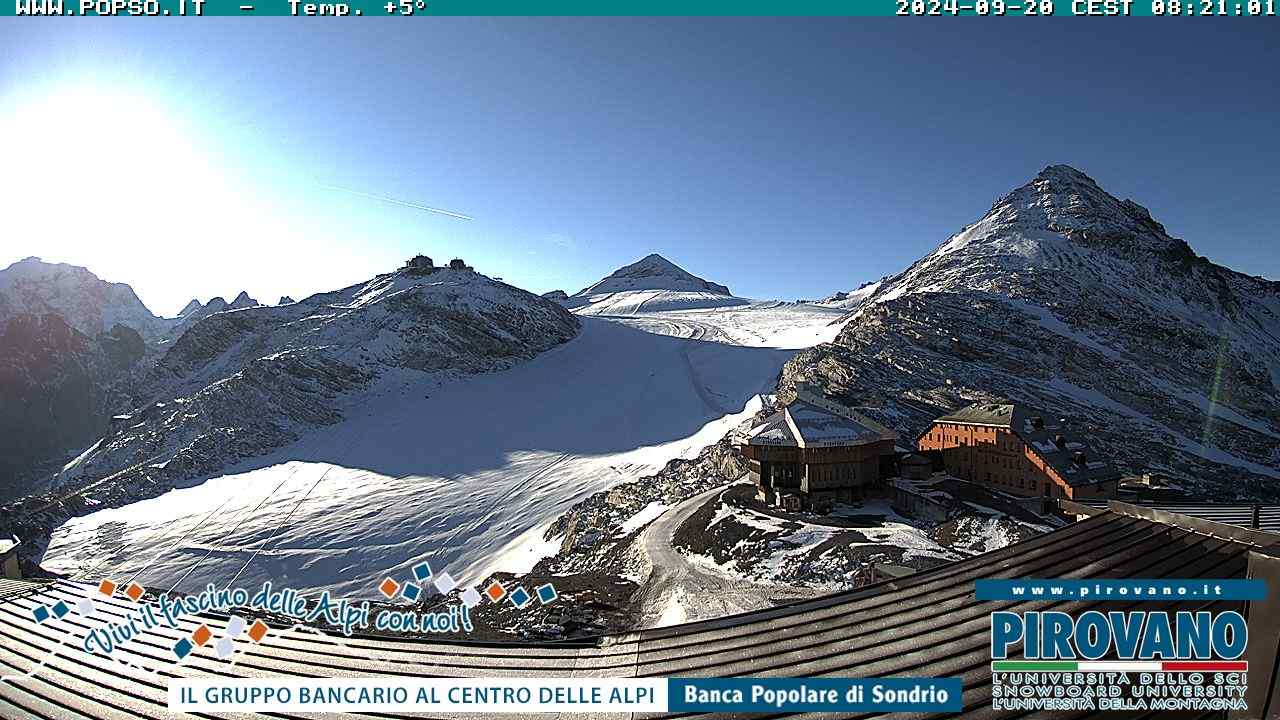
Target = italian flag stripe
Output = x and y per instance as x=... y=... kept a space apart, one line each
x=1117 y=666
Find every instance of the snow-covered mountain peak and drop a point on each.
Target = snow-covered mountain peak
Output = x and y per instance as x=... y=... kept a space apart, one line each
x=1063 y=200
x=652 y=283
x=1057 y=238
x=654 y=272
x=85 y=301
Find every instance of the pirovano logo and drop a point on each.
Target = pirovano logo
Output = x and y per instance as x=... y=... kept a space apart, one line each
x=1101 y=659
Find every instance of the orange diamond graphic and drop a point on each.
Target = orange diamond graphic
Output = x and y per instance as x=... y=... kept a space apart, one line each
x=201 y=635
x=134 y=591
x=258 y=631
x=389 y=588
x=106 y=587
x=495 y=591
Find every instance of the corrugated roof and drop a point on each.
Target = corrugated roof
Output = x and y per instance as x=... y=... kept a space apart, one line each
x=925 y=625
x=1237 y=514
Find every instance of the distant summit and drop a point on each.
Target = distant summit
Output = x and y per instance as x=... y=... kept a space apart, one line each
x=286 y=300
x=243 y=301
x=194 y=311
x=653 y=272
x=650 y=284
x=87 y=303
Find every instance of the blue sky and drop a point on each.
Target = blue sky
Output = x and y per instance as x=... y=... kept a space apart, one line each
x=784 y=158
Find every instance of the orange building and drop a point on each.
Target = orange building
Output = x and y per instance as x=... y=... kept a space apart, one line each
x=1014 y=450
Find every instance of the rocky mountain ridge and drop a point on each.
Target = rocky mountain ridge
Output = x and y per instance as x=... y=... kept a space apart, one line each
x=1067 y=298
x=240 y=382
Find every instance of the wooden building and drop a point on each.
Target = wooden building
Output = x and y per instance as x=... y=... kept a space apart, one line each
x=814 y=453
x=1015 y=450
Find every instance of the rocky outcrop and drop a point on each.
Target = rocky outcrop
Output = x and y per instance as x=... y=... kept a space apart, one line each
x=54 y=396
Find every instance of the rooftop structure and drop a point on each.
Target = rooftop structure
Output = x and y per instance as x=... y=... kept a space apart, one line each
x=926 y=624
x=419 y=263
x=815 y=452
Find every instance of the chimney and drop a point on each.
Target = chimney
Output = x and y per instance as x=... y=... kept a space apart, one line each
x=1060 y=441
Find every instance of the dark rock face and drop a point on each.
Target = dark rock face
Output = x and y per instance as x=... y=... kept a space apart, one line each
x=53 y=391
x=1067 y=298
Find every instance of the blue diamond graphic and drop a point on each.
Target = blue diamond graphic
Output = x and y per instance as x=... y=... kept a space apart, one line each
x=422 y=572
x=520 y=597
x=60 y=610
x=182 y=648
x=41 y=613
x=546 y=593
x=411 y=592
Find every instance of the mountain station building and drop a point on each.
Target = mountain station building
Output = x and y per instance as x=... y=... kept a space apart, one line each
x=1013 y=449
x=814 y=453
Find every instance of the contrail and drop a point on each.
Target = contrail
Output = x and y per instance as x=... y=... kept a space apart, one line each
x=394 y=201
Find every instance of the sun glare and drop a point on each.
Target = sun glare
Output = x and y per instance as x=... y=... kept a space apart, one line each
x=119 y=183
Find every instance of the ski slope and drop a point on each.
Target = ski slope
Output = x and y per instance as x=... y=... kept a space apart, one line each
x=464 y=473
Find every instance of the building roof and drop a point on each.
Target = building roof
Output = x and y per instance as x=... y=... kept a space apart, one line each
x=999 y=414
x=1074 y=459
x=773 y=431
x=1238 y=514
x=820 y=427
x=927 y=624
x=812 y=420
